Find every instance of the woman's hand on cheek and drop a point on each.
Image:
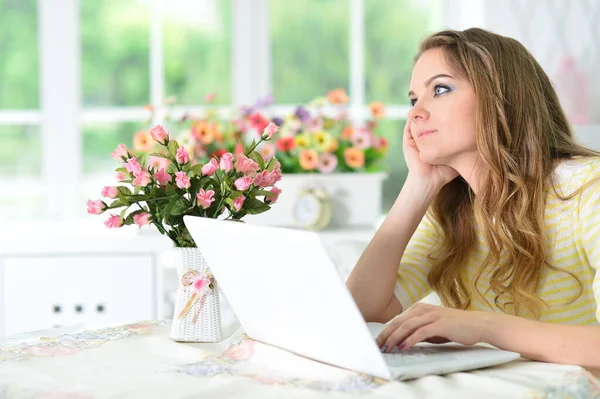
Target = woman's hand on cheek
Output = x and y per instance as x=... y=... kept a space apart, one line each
x=439 y=175
x=430 y=323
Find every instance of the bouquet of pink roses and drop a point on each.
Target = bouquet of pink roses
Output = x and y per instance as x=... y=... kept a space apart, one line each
x=230 y=186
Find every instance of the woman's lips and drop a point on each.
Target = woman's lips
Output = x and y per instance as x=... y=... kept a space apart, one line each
x=424 y=133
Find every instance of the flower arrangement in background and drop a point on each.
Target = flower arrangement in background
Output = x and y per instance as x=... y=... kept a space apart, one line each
x=174 y=184
x=310 y=140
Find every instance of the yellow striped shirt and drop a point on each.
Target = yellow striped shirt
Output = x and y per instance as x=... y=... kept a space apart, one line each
x=573 y=233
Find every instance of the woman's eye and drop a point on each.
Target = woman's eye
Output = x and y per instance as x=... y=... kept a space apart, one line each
x=440 y=89
x=413 y=101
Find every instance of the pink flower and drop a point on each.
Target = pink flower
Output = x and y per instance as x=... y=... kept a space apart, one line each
x=271 y=199
x=205 y=198
x=274 y=177
x=246 y=165
x=133 y=166
x=159 y=134
x=113 y=222
x=95 y=207
x=182 y=156
x=109 y=192
x=162 y=177
x=143 y=179
x=241 y=351
x=239 y=149
x=158 y=163
x=142 y=219
x=227 y=162
x=243 y=183
x=267 y=151
x=199 y=283
x=182 y=180
x=238 y=203
x=262 y=179
x=361 y=139
x=270 y=131
x=327 y=162
x=210 y=168
x=122 y=176
x=119 y=153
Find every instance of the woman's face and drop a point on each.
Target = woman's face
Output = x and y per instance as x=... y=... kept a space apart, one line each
x=442 y=118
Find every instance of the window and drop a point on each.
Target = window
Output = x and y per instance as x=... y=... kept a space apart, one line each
x=310 y=48
x=139 y=52
x=20 y=141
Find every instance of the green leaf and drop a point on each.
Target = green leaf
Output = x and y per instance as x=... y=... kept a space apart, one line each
x=160 y=155
x=196 y=170
x=124 y=190
x=253 y=206
x=123 y=198
x=258 y=158
x=116 y=204
x=258 y=193
x=173 y=146
x=180 y=207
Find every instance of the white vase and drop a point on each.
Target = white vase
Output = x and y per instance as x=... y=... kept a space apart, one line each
x=207 y=326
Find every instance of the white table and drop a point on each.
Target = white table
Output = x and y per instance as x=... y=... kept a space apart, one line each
x=140 y=361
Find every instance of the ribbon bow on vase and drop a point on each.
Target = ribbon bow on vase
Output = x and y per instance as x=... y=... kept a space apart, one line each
x=202 y=284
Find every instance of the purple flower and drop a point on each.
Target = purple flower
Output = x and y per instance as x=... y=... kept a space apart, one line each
x=302 y=114
x=246 y=110
x=278 y=121
x=264 y=102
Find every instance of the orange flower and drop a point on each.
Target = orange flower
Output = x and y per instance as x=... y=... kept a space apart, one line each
x=204 y=131
x=309 y=159
x=377 y=110
x=337 y=96
x=347 y=132
x=142 y=141
x=355 y=157
x=334 y=145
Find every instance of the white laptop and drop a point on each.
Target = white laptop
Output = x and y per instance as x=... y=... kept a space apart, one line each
x=286 y=292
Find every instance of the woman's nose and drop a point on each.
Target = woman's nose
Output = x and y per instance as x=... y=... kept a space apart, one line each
x=418 y=112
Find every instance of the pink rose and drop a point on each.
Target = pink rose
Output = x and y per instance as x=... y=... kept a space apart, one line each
x=269 y=131
x=271 y=199
x=133 y=166
x=238 y=203
x=262 y=179
x=162 y=177
x=205 y=198
x=182 y=156
x=182 y=180
x=246 y=165
x=142 y=219
x=274 y=177
x=143 y=179
x=110 y=192
x=159 y=134
x=227 y=162
x=120 y=153
x=210 y=168
x=243 y=183
x=95 y=207
x=113 y=222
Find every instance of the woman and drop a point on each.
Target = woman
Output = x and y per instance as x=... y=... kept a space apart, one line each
x=511 y=238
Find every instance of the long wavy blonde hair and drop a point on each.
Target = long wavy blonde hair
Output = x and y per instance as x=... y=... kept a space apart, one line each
x=521 y=131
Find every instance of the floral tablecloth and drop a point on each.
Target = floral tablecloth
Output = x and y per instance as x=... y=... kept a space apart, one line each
x=140 y=361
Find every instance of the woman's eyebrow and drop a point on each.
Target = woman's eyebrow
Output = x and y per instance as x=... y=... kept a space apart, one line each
x=428 y=81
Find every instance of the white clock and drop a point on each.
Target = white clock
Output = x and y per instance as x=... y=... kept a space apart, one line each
x=312 y=209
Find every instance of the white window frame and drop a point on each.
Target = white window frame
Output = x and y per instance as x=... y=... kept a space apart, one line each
x=61 y=115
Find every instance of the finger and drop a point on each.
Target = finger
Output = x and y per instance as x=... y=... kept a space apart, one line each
x=415 y=310
x=424 y=333
x=406 y=329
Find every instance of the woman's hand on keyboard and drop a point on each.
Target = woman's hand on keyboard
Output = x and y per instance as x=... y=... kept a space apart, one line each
x=430 y=323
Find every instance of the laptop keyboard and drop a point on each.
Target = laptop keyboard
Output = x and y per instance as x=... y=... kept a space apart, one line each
x=417 y=355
